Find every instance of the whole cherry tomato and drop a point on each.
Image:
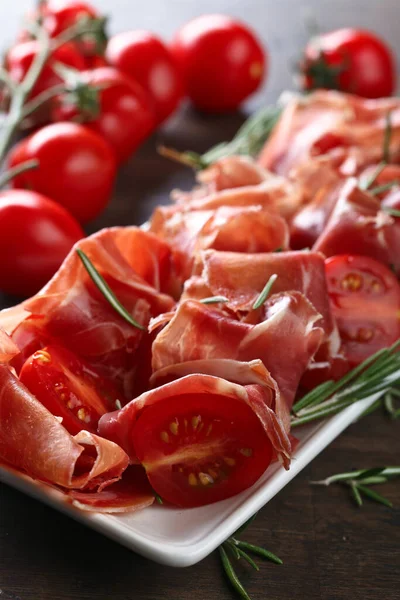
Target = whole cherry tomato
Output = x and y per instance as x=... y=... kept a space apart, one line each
x=221 y=60
x=59 y=15
x=349 y=60
x=36 y=234
x=76 y=167
x=144 y=57
x=20 y=57
x=124 y=117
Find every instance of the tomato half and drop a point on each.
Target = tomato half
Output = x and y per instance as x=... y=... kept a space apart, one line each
x=125 y=116
x=143 y=56
x=199 y=448
x=365 y=299
x=350 y=60
x=221 y=60
x=36 y=235
x=69 y=388
x=77 y=167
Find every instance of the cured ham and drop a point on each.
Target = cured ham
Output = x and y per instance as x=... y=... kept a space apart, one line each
x=348 y=129
x=198 y=332
x=243 y=229
x=71 y=309
x=358 y=226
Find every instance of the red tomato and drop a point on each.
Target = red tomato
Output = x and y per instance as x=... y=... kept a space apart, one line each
x=125 y=117
x=365 y=298
x=19 y=58
x=77 y=167
x=142 y=56
x=199 y=449
x=350 y=60
x=221 y=60
x=59 y=15
x=36 y=234
x=69 y=388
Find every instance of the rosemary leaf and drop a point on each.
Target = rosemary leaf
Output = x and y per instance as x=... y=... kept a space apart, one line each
x=259 y=551
x=394 y=212
x=368 y=473
x=265 y=292
x=214 y=300
x=230 y=573
x=105 y=289
x=374 y=495
x=158 y=498
x=246 y=524
x=365 y=185
x=247 y=558
x=229 y=545
x=356 y=494
x=379 y=189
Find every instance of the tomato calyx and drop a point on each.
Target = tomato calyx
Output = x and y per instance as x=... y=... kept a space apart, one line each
x=79 y=96
x=319 y=74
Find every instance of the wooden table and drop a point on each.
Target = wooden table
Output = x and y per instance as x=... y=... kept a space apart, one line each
x=331 y=549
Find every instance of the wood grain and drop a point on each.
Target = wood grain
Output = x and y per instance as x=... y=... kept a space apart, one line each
x=331 y=549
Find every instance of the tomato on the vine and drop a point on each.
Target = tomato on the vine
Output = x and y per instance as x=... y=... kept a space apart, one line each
x=77 y=167
x=198 y=449
x=20 y=57
x=69 y=388
x=124 y=115
x=59 y=15
x=365 y=300
x=36 y=235
x=221 y=60
x=144 y=57
x=349 y=60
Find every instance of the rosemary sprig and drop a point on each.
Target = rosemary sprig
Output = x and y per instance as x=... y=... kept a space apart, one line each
x=379 y=189
x=376 y=375
x=394 y=212
x=358 y=482
x=105 y=289
x=366 y=184
x=265 y=292
x=248 y=141
x=214 y=300
x=237 y=549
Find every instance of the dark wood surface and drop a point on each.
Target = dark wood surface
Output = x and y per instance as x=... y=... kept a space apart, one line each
x=331 y=549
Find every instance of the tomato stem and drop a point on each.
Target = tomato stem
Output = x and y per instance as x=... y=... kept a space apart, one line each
x=8 y=175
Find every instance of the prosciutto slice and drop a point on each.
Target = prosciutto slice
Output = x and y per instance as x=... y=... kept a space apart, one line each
x=227 y=173
x=243 y=229
x=72 y=311
x=33 y=440
x=358 y=226
x=285 y=341
x=118 y=425
x=347 y=128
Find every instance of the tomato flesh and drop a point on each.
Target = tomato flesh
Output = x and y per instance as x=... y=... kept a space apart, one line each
x=69 y=388
x=365 y=298
x=198 y=448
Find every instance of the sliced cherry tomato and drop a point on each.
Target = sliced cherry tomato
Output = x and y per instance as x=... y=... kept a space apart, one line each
x=350 y=60
x=20 y=57
x=125 y=117
x=144 y=57
x=221 y=60
x=36 y=235
x=365 y=298
x=69 y=388
x=77 y=167
x=199 y=449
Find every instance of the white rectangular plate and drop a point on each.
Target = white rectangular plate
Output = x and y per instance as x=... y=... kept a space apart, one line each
x=181 y=538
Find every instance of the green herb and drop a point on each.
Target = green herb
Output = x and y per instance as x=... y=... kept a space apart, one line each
x=358 y=482
x=214 y=300
x=376 y=375
x=387 y=138
x=248 y=141
x=394 y=212
x=379 y=189
x=236 y=549
x=105 y=289
x=265 y=292
x=365 y=185
x=158 y=498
